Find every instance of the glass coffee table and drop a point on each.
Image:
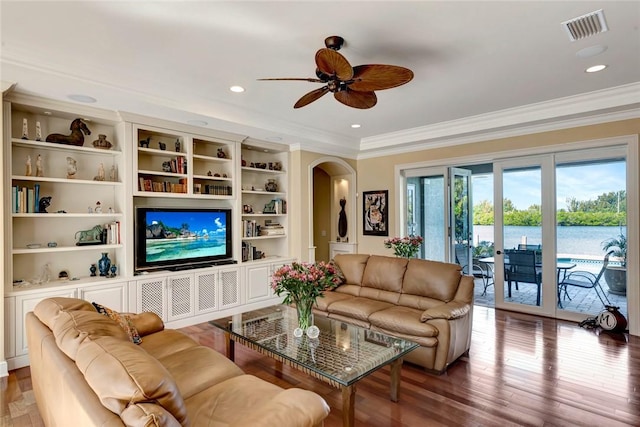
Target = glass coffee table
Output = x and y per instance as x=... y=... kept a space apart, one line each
x=341 y=355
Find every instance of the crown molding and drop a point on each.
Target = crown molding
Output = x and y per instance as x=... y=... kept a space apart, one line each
x=632 y=113
x=547 y=115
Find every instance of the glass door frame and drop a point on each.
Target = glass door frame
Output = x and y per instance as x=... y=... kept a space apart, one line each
x=548 y=300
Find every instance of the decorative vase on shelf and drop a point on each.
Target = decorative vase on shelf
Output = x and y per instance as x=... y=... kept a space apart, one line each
x=93 y=270
x=104 y=264
x=102 y=142
x=271 y=186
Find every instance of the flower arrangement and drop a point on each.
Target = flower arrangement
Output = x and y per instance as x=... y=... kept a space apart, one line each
x=404 y=247
x=302 y=283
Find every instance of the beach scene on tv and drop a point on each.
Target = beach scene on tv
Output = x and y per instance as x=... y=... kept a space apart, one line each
x=180 y=235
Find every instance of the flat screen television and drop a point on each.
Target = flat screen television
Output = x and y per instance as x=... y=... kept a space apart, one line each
x=182 y=238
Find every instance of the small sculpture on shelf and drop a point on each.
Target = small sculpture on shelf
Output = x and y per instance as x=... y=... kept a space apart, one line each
x=25 y=129
x=244 y=162
x=98 y=208
x=221 y=153
x=102 y=142
x=45 y=275
x=145 y=142
x=72 y=168
x=38 y=132
x=277 y=166
x=27 y=165
x=113 y=174
x=43 y=204
x=178 y=145
x=101 y=173
x=166 y=166
x=162 y=145
x=209 y=173
x=78 y=130
x=39 y=167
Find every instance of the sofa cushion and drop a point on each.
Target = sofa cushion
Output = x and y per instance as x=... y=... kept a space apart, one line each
x=122 y=319
x=432 y=279
x=169 y=341
x=352 y=267
x=328 y=298
x=236 y=401
x=72 y=328
x=121 y=373
x=48 y=309
x=358 y=307
x=403 y=320
x=384 y=273
x=211 y=368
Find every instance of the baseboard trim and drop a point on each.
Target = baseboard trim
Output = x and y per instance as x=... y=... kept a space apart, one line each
x=4 y=370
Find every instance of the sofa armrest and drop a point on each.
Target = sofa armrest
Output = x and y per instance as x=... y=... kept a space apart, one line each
x=292 y=407
x=449 y=311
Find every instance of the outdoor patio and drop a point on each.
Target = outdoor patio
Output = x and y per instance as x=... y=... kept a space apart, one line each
x=582 y=300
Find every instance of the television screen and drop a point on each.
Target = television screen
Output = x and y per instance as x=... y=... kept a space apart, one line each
x=182 y=237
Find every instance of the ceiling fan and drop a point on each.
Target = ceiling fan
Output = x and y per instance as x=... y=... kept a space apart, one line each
x=352 y=86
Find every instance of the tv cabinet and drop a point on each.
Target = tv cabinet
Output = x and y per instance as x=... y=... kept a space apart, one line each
x=206 y=166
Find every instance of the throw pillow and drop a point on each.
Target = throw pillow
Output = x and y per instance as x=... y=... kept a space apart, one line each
x=124 y=320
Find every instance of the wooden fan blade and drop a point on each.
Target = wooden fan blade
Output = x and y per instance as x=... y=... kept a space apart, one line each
x=378 y=77
x=332 y=63
x=311 y=96
x=296 y=78
x=356 y=99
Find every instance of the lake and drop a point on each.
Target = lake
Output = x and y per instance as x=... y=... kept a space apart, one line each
x=578 y=240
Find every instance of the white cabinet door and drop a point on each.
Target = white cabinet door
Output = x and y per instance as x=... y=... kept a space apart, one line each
x=180 y=298
x=206 y=291
x=25 y=304
x=257 y=282
x=113 y=295
x=229 y=287
x=151 y=296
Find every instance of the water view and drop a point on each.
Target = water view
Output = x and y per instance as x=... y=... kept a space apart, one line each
x=574 y=240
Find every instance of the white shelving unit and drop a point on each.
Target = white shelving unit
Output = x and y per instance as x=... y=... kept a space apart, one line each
x=264 y=202
x=36 y=239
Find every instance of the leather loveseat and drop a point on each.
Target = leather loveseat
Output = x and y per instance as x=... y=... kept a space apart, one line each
x=428 y=302
x=86 y=371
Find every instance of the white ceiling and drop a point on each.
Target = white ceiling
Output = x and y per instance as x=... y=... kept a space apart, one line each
x=479 y=66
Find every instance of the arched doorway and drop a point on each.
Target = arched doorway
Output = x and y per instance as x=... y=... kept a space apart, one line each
x=330 y=180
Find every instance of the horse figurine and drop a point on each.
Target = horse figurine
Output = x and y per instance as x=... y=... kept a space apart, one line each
x=78 y=130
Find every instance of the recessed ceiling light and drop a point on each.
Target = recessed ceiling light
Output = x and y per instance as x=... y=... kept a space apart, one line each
x=197 y=122
x=47 y=113
x=274 y=138
x=236 y=89
x=355 y=125
x=82 y=98
x=595 y=68
x=590 y=51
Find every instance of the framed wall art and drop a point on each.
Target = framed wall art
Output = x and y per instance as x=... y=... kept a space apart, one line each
x=376 y=217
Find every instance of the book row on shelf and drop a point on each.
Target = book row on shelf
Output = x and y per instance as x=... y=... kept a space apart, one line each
x=111 y=233
x=213 y=189
x=177 y=165
x=25 y=199
x=251 y=228
x=163 y=186
x=250 y=252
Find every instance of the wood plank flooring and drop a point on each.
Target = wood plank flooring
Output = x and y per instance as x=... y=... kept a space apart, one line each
x=522 y=370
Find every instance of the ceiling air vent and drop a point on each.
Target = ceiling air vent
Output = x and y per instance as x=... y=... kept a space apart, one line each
x=586 y=25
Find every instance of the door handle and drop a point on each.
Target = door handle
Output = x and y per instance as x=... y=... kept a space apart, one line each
x=498 y=252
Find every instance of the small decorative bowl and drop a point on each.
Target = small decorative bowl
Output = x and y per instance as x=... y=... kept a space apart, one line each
x=261 y=165
x=34 y=245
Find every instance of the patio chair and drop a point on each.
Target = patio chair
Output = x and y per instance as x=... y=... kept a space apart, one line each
x=536 y=248
x=477 y=270
x=521 y=267
x=585 y=279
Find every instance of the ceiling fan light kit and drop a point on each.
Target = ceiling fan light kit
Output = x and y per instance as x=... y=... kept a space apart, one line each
x=352 y=86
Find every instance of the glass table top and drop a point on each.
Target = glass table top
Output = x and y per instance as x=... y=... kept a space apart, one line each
x=343 y=353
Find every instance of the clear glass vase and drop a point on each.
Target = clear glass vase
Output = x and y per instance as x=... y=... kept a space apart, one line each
x=304 y=310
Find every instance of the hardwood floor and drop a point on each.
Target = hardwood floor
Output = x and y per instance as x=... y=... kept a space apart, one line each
x=521 y=371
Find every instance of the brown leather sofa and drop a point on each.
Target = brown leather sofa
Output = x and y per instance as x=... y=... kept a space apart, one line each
x=428 y=302
x=86 y=372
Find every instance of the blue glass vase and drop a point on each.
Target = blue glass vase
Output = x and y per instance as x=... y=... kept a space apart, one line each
x=104 y=264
